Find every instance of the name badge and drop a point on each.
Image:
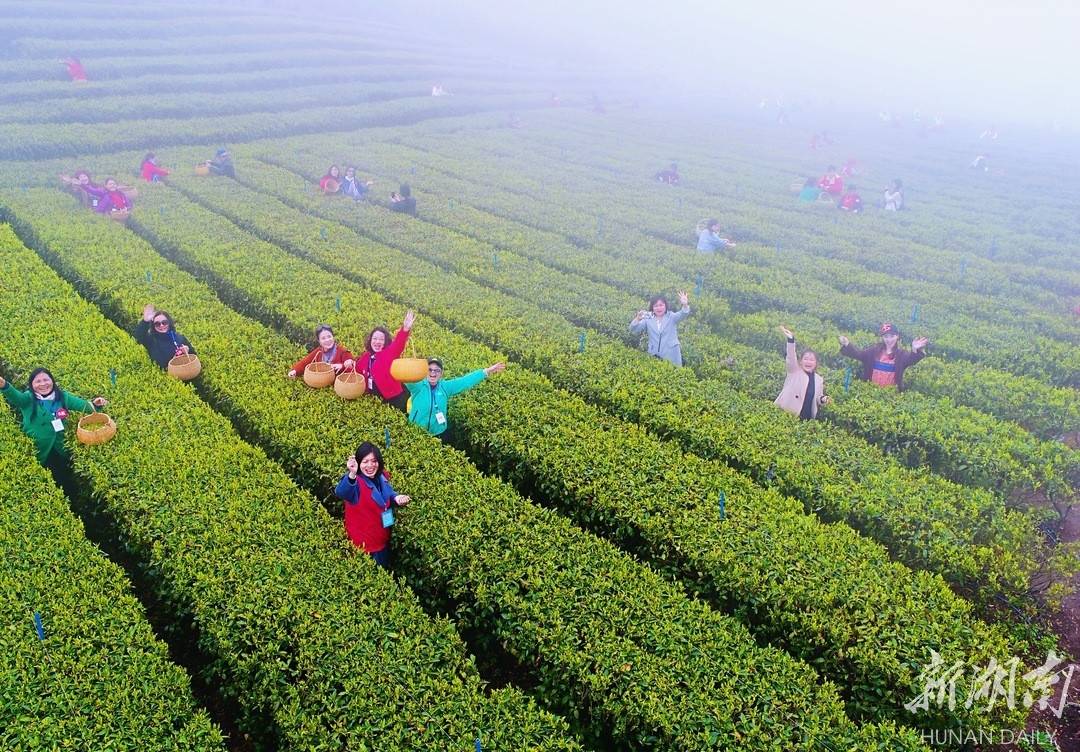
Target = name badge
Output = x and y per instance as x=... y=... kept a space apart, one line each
x=370 y=384
x=58 y=425
x=440 y=419
x=388 y=518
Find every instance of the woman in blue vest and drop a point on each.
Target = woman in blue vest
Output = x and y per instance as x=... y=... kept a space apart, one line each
x=429 y=397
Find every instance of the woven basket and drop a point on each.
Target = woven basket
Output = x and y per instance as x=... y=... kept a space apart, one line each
x=350 y=385
x=332 y=186
x=202 y=169
x=319 y=375
x=120 y=216
x=408 y=370
x=95 y=428
x=185 y=367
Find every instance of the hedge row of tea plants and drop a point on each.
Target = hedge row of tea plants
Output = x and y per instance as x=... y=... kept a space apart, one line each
x=960 y=443
x=614 y=645
x=543 y=437
x=96 y=677
x=838 y=476
x=296 y=626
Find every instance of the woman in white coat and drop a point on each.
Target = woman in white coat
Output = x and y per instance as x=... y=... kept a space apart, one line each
x=662 y=327
x=804 y=389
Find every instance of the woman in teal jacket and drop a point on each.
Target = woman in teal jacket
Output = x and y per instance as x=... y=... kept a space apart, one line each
x=44 y=407
x=427 y=405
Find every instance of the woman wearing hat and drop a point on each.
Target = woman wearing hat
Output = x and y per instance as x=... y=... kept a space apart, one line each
x=804 y=388
x=884 y=363
x=44 y=407
x=222 y=164
x=427 y=405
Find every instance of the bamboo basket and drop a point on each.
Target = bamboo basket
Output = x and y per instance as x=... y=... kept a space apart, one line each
x=319 y=375
x=95 y=428
x=185 y=367
x=350 y=385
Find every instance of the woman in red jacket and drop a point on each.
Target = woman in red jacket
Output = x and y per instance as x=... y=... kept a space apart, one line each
x=328 y=351
x=331 y=181
x=150 y=171
x=375 y=363
x=75 y=69
x=369 y=500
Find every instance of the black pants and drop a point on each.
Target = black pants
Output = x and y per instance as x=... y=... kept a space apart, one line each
x=60 y=467
x=401 y=402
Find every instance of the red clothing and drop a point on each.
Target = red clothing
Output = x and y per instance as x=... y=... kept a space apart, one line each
x=339 y=357
x=115 y=201
x=851 y=202
x=76 y=70
x=884 y=372
x=377 y=367
x=831 y=184
x=326 y=179
x=151 y=170
x=363 y=518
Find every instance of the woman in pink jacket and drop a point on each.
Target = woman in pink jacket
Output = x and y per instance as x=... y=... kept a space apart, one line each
x=375 y=362
x=804 y=389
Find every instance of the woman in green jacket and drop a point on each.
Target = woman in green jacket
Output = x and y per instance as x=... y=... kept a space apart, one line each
x=44 y=407
x=427 y=405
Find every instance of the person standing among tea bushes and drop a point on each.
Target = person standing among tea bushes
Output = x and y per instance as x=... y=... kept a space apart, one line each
x=884 y=363
x=44 y=407
x=369 y=500
x=328 y=351
x=662 y=327
x=428 y=403
x=375 y=363
x=158 y=335
x=804 y=388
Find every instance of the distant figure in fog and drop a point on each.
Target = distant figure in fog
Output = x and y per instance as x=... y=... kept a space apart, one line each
x=330 y=183
x=149 y=170
x=354 y=188
x=709 y=237
x=809 y=191
x=222 y=164
x=831 y=183
x=669 y=176
x=894 y=196
x=851 y=201
x=75 y=70
x=402 y=200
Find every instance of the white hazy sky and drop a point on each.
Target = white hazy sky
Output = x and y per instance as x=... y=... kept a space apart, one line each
x=993 y=59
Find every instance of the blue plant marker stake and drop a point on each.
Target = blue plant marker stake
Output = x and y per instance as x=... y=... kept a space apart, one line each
x=770 y=474
x=112 y=376
x=698 y=286
x=39 y=627
x=581 y=343
x=386 y=436
x=915 y=313
x=337 y=304
x=847 y=378
x=723 y=505
x=479 y=747
x=495 y=261
x=149 y=278
x=451 y=203
x=963 y=267
x=322 y=233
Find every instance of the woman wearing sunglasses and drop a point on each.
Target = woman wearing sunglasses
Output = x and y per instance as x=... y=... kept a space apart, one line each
x=156 y=333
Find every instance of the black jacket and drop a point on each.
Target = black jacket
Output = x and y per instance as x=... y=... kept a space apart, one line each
x=160 y=346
